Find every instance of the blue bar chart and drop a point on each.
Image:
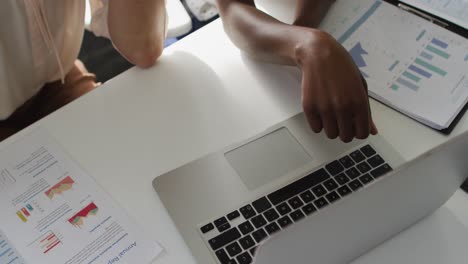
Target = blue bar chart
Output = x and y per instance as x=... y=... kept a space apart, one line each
x=360 y=22
x=423 y=67
x=8 y=254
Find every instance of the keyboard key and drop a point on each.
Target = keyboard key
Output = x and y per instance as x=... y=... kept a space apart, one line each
x=284 y=221
x=347 y=162
x=342 y=179
x=247 y=211
x=368 y=151
x=363 y=167
x=244 y=258
x=222 y=256
x=307 y=197
x=334 y=168
x=297 y=215
x=357 y=156
x=224 y=239
x=272 y=228
x=366 y=178
x=381 y=170
x=330 y=185
x=332 y=197
x=247 y=242
x=220 y=221
x=319 y=190
x=207 y=228
x=259 y=221
x=298 y=186
x=233 y=249
x=320 y=203
x=295 y=202
x=309 y=209
x=259 y=235
x=344 y=190
x=376 y=161
x=246 y=227
x=224 y=227
x=354 y=185
x=261 y=205
x=233 y=215
x=271 y=215
x=283 y=208
x=353 y=173
x=231 y=262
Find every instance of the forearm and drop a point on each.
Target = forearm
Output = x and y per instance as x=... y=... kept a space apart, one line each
x=309 y=13
x=137 y=29
x=263 y=36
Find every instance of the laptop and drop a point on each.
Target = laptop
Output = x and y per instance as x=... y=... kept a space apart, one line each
x=289 y=195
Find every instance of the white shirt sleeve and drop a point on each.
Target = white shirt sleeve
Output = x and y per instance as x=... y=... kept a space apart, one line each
x=99 y=11
x=202 y=9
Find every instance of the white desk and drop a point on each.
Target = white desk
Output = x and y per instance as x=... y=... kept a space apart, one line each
x=201 y=96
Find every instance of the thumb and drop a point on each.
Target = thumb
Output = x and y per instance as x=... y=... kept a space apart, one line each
x=373 y=128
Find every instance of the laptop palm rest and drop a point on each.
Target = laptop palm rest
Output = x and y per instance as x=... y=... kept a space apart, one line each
x=267 y=158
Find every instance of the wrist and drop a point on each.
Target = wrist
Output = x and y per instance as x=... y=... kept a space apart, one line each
x=314 y=45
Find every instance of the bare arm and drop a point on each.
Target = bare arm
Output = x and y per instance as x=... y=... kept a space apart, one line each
x=309 y=13
x=137 y=29
x=334 y=95
x=265 y=37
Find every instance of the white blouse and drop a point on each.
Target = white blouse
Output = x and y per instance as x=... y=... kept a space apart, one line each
x=40 y=40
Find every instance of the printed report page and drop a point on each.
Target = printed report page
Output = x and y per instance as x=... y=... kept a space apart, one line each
x=53 y=212
x=409 y=63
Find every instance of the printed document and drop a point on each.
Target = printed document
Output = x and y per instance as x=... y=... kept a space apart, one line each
x=55 y=213
x=410 y=64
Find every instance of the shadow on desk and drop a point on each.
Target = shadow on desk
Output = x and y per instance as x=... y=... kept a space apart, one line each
x=283 y=82
x=179 y=80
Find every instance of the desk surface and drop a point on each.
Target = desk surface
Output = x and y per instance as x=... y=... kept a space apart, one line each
x=199 y=97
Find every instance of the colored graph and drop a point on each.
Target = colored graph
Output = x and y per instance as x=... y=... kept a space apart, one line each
x=49 y=242
x=8 y=253
x=25 y=212
x=78 y=219
x=423 y=67
x=360 y=22
x=358 y=52
x=61 y=187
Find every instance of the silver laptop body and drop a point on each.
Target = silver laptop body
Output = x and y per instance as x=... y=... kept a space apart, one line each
x=304 y=193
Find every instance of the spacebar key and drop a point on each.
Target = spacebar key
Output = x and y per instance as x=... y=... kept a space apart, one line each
x=298 y=186
x=224 y=239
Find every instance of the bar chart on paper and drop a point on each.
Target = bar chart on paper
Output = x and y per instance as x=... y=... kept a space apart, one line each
x=8 y=253
x=423 y=67
x=409 y=63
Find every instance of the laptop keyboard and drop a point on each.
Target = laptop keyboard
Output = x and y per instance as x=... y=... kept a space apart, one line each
x=233 y=238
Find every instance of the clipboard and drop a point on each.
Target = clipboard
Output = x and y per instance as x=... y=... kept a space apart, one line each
x=448 y=26
x=430 y=17
x=465 y=186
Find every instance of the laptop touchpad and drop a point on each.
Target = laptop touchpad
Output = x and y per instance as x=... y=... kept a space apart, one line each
x=267 y=158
